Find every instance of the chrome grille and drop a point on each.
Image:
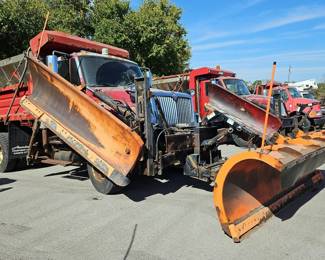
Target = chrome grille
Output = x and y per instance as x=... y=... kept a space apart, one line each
x=178 y=110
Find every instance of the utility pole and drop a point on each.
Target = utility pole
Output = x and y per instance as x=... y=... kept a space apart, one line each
x=289 y=73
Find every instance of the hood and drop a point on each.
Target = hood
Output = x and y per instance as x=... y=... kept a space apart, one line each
x=117 y=93
x=257 y=99
x=306 y=101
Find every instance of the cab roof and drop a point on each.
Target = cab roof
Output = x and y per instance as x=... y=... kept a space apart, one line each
x=59 y=41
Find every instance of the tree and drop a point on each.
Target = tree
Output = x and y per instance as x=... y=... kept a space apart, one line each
x=19 y=21
x=70 y=16
x=153 y=34
x=108 y=21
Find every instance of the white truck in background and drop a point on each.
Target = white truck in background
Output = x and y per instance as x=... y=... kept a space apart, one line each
x=304 y=85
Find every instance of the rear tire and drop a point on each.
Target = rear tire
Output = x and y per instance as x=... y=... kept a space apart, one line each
x=101 y=183
x=7 y=164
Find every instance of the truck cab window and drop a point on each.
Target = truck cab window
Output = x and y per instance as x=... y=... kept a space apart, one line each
x=284 y=95
x=74 y=75
x=108 y=72
x=63 y=69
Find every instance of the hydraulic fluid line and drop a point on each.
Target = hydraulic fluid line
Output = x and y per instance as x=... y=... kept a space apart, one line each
x=268 y=106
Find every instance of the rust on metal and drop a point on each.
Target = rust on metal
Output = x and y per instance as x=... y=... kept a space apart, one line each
x=249 y=182
x=239 y=228
x=93 y=132
x=242 y=111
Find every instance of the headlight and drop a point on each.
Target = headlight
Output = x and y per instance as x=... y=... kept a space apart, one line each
x=314 y=113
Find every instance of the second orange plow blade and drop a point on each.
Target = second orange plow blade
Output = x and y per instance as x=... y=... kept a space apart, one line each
x=97 y=135
x=252 y=185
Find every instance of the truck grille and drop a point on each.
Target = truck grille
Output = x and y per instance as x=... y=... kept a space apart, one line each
x=178 y=110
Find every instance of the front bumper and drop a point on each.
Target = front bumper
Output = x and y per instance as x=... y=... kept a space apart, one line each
x=319 y=121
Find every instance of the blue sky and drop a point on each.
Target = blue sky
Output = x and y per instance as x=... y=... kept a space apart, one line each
x=246 y=36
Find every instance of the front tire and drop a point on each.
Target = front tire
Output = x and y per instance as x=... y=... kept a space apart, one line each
x=7 y=164
x=305 y=124
x=101 y=183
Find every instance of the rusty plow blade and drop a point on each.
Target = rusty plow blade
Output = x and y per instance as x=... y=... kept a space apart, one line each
x=252 y=185
x=244 y=112
x=99 y=137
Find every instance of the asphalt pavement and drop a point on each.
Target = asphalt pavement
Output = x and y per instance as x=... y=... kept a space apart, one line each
x=54 y=213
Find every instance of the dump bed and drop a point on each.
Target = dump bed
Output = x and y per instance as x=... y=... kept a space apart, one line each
x=11 y=70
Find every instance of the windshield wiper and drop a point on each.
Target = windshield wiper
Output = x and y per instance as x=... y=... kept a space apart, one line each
x=101 y=85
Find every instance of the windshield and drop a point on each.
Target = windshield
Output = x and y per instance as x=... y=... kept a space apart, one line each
x=308 y=95
x=102 y=71
x=237 y=86
x=294 y=93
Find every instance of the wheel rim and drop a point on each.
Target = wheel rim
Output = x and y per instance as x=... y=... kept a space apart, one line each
x=98 y=176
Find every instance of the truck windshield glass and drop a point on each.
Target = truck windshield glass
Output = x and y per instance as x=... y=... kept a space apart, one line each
x=237 y=86
x=101 y=71
x=294 y=93
x=308 y=95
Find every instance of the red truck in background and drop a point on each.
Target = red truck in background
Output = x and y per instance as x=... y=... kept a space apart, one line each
x=226 y=93
x=296 y=104
x=190 y=81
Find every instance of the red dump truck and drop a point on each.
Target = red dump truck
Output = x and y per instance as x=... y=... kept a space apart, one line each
x=294 y=101
x=247 y=108
x=72 y=101
x=80 y=102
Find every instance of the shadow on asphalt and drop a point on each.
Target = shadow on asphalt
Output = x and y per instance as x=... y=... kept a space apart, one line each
x=79 y=174
x=293 y=206
x=4 y=181
x=5 y=189
x=142 y=187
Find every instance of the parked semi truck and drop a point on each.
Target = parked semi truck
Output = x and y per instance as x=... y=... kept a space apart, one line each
x=73 y=101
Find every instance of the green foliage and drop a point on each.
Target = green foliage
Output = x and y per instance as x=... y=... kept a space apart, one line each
x=19 y=21
x=153 y=34
x=257 y=82
x=320 y=93
x=108 y=21
x=70 y=16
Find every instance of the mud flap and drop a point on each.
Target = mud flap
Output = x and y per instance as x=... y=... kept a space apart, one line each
x=94 y=133
x=18 y=141
x=251 y=185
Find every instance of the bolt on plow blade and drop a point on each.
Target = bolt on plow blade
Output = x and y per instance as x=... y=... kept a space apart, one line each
x=253 y=185
x=93 y=132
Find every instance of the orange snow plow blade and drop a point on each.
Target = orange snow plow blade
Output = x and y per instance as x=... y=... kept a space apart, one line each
x=253 y=185
x=94 y=133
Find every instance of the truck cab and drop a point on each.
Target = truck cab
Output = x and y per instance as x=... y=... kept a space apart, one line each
x=295 y=103
x=207 y=86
